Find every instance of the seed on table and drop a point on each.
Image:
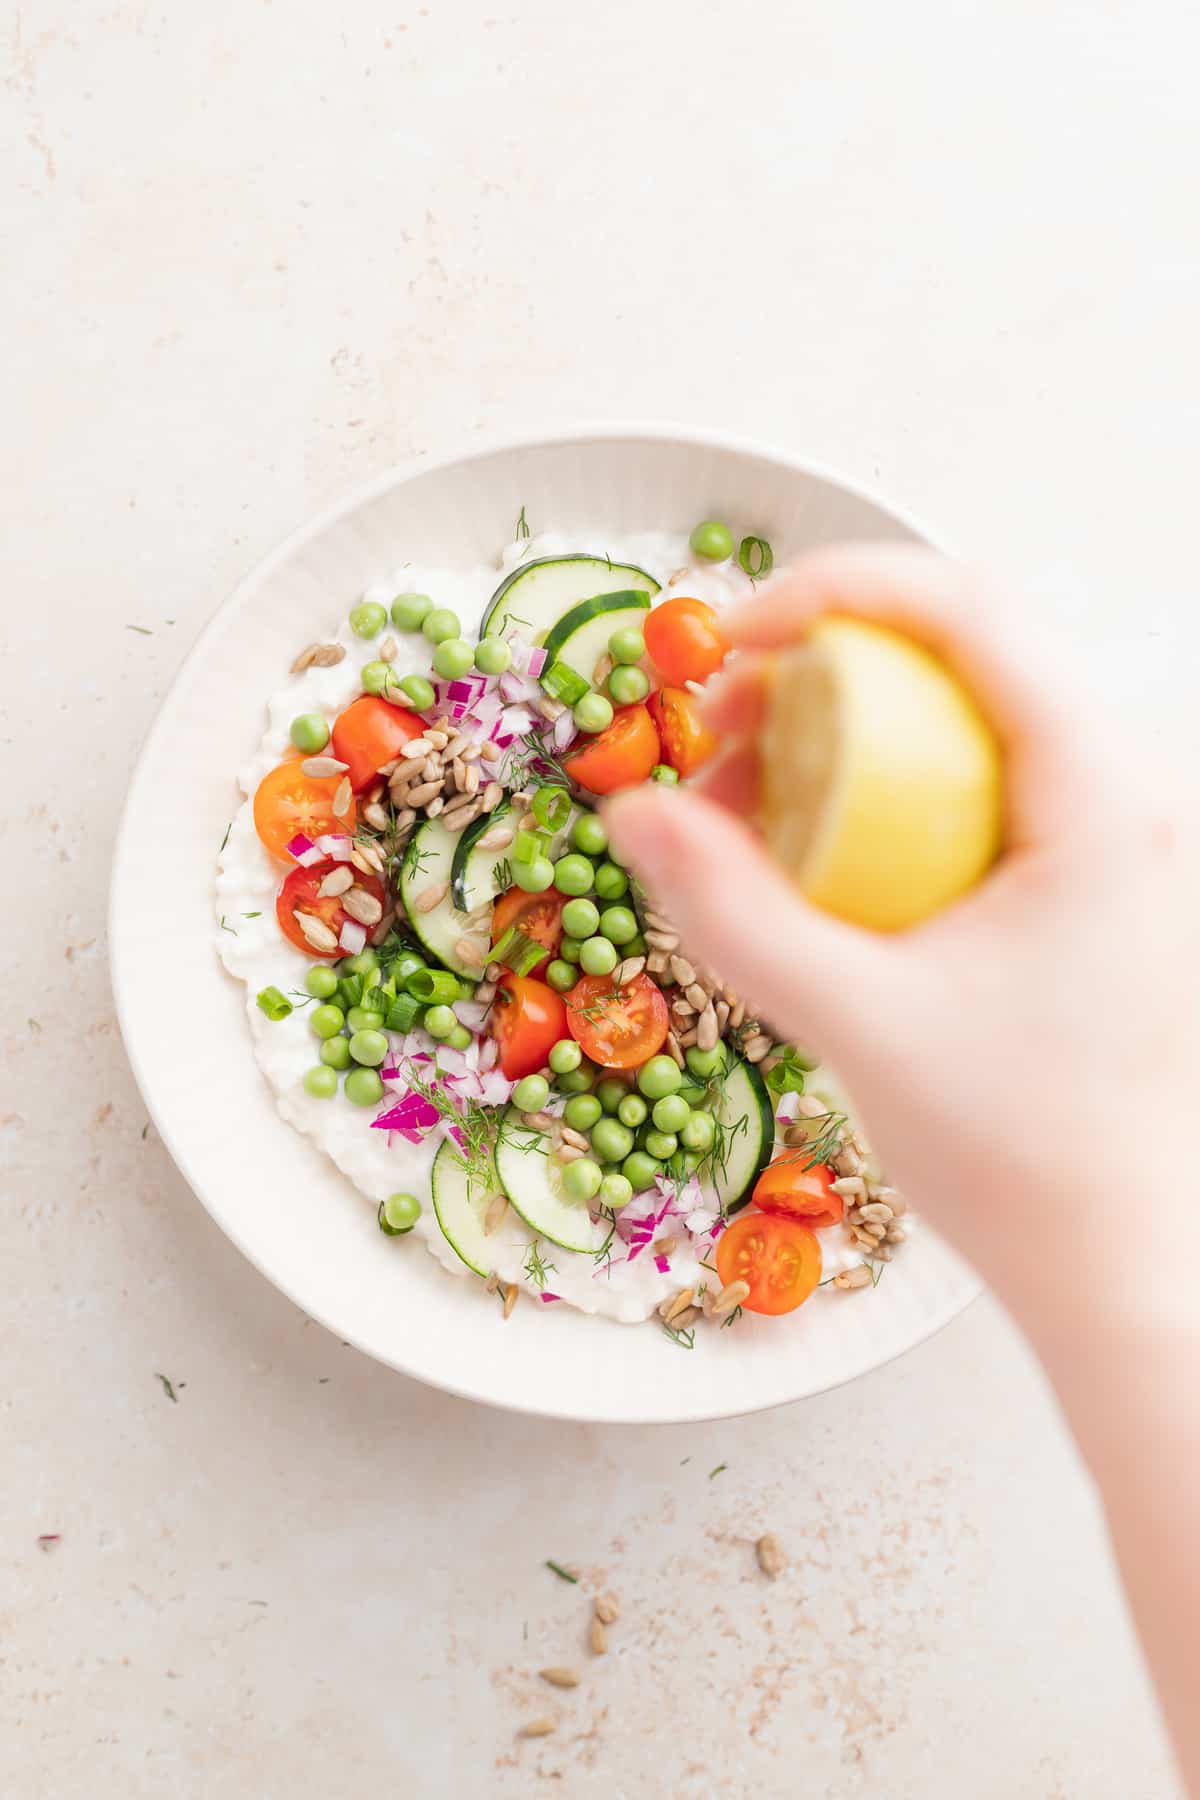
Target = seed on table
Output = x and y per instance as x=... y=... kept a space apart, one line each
x=686 y=1318
x=304 y=659
x=657 y=920
x=469 y=781
x=539 y=1121
x=607 y=1608
x=511 y=1295
x=858 y=1277
x=573 y=1137
x=470 y=752
x=363 y=907
x=559 y=1677
x=366 y=857
x=769 y=1552
x=893 y=1197
x=458 y=771
x=597 y=1636
x=567 y=1153
x=432 y=769
x=389 y=650
x=664 y=1246
x=683 y=972
x=848 y=1162
x=337 y=881
x=493 y=1218
x=602 y=670
x=327 y=656
x=316 y=931
x=683 y=1006
x=687 y=1038
x=732 y=1295
x=536 y=1728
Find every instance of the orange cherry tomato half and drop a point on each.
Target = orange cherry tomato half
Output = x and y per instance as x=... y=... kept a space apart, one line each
x=791 y=1191
x=780 y=1258
x=538 y=916
x=370 y=733
x=288 y=803
x=685 y=640
x=620 y=757
x=686 y=740
x=618 y=1027
x=299 y=894
x=527 y=1018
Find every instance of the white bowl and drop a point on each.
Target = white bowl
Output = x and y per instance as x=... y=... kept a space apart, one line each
x=285 y=1206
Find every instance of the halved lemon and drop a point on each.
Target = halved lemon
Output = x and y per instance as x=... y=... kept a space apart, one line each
x=882 y=787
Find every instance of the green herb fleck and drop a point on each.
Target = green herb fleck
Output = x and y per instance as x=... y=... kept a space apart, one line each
x=225 y=839
x=502 y=874
x=256 y=915
x=34 y=1024
x=735 y=1314
x=719 y=1470
x=685 y=1339
x=536 y=1270
x=167 y=1387
x=143 y=630
x=522 y=530
x=563 y=1574
x=226 y=926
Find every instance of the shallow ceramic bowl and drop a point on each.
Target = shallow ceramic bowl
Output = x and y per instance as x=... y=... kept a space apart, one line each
x=287 y=1208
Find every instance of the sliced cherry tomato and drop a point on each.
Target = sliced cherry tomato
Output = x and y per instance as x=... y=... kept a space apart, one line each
x=780 y=1258
x=539 y=916
x=620 y=757
x=686 y=740
x=370 y=733
x=617 y=1026
x=790 y=1190
x=527 y=1018
x=685 y=639
x=289 y=803
x=299 y=894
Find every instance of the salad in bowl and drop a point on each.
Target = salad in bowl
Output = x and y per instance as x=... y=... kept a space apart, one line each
x=461 y=995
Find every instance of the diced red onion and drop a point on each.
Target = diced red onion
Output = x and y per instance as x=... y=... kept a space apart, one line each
x=535 y=662
x=785 y=1111
x=335 y=845
x=663 y=1264
x=547 y=1298
x=304 y=851
x=564 y=732
x=470 y=1013
x=413 y=1113
x=489 y=1053
x=352 y=937
x=459 y=697
x=447 y=1129
x=514 y=722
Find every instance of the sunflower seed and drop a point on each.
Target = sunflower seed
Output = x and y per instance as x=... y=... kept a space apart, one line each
x=471 y=952
x=362 y=906
x=430 y=897
x=876 y=1213
x=436 y=807
x=574 y=1138
x=381 y=930
x=675 y=1049
x=606 y=1608
x=343 y=797
x=468 y=781
x=511 y=1296
x=630 y=969
x=682 y=972
x=657 y=963
x=848 y=1162
x=432 y=768
x=337 y=881
x=490 y=752
x=671 y=1309
x=535 y=1728
x=485 y=993
x=492 y=1283
x=665 y=941
x=737 y=1015
x=683 y=1006
x=327 y=656
x=319 y=767
x=551 y=709
x=850 y=1187
x=438 y=736
x=421 y=796
x=560 y=1678
x=732 y=1295
x=769 y=1552
x=460 y=817
x=858 y=1277
x=755 y=1048
x=389 y=650
x=706 y=1030
x=597 y=1637
x=415 y=749
x=722 y=1015
x=895 y=1234
x=686 y=1318
x=366 y=857
x=499 y=837
x=687 y=1038
x=493 y=1218
x=602 y=670
x=316 y=931
x=492 y=795
x=454 y=747
x=304 y=659
x=695 y=687
x=697 y=997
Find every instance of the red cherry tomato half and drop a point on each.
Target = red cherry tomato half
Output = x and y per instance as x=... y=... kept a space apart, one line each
x=539 y=916
x=780 y=1258
x=370 y=733
x=686 y=740
x=617 y=1026
x=791 y=1191
x=620 y=757
x=299 y=894
x=288 y=803
x=684 y=639
x=527 y=1018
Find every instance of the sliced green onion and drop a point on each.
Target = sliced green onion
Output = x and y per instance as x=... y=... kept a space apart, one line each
x=518 y=951
x=529 y=845
x=552 y=807
x=405 y=963
x=403 y=1013
x=756 y=557
x=275 y=1004
x=433 y=987
x=563 y=683
x=350 y=991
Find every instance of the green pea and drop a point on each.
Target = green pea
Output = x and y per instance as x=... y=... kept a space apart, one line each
x=589 y=834
x=632 y=1111
x=577 y=1081
x=705 y=1063
x=580 y=918
x=564 y=1056
x=398 y=1214
x=406 y=964
x=368 y=618
x=682 y=1164
x=637 y=945
x=597 y=956
x=615 y=1191
x=327 y=1021
x=671 y=1113
x=531 y=1094
x=361 y=964
x=561 y=975
x=440 y=624
x=534 y=877
x=610 y=1093
x=409 y=611
x=569 y=949
x=699 y=1131
x=640 y=1170
x=611 y=881
x=573 y=874
x=363 y=1087
x=364 y=1018
x=611 y=1140
x=693 y=1093
x=664 y=773
x=581 y=1112
x=419 y=690
x=321 y=982
x=321 y=1082
x=440 y=1021
x=376 y=677
x=335 y=1053
x=659 y=1076
x=618 y=924
x=581 y=1179
x=460 y=1038
x=492 y=656
x=660 y=1144
x=369 y=1048
x=803 y=1059
x=627 y=645
x=452 y=658
x=627 y=685
x=593 y=713
x=309 y=732
x=712 y=540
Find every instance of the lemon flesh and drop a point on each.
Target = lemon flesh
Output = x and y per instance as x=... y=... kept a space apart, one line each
x=882 y=786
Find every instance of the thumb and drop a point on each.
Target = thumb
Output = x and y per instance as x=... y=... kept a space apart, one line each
x=806 y=973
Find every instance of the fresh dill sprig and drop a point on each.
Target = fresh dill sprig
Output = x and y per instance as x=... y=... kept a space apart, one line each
x=522 y=530
x=604 y=1253
x=477 y=1125
x=226 y=926
x=563 y=1574
x=225 y=839
x=502 y=873
x=536 y=1270
x=685 y=1339
x=735 y=1314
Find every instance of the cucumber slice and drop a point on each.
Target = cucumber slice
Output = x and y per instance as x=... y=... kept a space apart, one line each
x=471 y=877
x=581 y=636
x=459 y=1207
x=748 y=1148
x=429 y=860
x=523 y=1165
x=534 y=597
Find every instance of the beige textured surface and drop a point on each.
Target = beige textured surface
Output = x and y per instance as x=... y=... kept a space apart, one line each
x=256 y=253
